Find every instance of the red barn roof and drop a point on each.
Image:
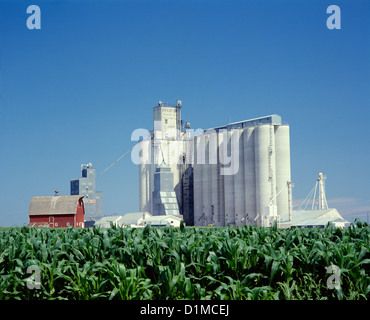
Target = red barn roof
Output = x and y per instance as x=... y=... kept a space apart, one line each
x=54 y=205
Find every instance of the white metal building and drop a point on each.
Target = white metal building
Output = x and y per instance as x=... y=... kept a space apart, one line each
x=314 y=219
x=139 y=220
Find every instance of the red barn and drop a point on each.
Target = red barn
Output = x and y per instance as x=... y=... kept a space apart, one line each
x=57 y=211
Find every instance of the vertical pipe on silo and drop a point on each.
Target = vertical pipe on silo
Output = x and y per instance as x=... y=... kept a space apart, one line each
x=263 y=183
x=283 y=175
x=239 y=183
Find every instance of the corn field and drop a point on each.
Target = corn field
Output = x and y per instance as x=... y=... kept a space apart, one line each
x=185 y=263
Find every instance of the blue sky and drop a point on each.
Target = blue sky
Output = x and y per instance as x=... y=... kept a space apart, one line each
x=74 y=91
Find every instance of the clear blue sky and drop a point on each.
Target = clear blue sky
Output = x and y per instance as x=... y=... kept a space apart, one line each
x=74 y=91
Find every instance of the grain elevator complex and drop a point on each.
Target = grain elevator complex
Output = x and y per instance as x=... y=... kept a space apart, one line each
x=237 y=174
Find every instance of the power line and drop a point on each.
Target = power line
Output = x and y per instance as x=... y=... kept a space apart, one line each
x=116 y=161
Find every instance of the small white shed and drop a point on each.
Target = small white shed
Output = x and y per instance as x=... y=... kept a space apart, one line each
x=163 y=220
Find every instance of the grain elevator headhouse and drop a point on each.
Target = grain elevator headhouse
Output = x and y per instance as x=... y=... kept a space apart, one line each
x=85 y=185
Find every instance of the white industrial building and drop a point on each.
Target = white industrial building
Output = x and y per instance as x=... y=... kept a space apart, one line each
x=139 y=220
x=313 y=219
x=160 y=151
x=237 y=174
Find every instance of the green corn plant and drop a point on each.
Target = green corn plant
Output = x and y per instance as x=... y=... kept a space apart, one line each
x=185 y=263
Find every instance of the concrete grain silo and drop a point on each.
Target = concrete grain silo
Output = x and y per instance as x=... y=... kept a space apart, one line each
x=256 y=193
x=249 y=176
x=145 y=177
x=228 y=184
x=239 y=184
x=265 y=168
x=239 y=172
x=215 y=180
x=198 y=181
x=282 y=159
